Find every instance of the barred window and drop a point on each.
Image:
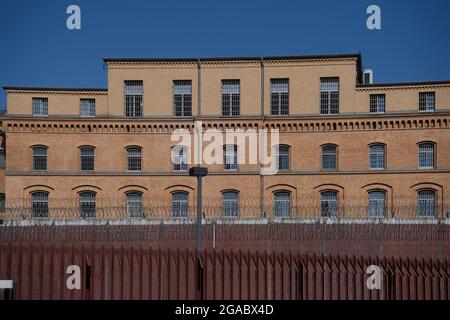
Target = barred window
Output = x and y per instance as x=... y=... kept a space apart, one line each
x=133 y=98
x=377 y=103
x=377 y=204
x=39 y=158
x=87 y=107
x=230 y=204
x=376 y=158
x=134 y=159
x=231 y=98
x=282 y=156
x=329 y=157
x=179 y=158
x=328 y=204
x=39 y=204
x=282 y=204
x=40 y=107
x=230 y=157
x=87 y=159
x=180 y=204
x=426 y=200
x=279 y=96
x=426 y=101
x=329 y=95
x=87 y=204
x=426 y=156
x=2 y=202
x=2 y=158
x=182 y=98
x=134 y=204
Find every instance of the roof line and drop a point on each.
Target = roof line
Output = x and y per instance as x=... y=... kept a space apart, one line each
x=400 y=84
x=53 y=89
x=252 y=58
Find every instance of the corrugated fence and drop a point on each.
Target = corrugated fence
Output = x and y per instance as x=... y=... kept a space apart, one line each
x=138 y=271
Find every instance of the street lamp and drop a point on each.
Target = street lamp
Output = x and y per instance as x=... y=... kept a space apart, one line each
x=198 y=172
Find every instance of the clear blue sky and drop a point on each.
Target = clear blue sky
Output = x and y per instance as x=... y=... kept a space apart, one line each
x=38 y=50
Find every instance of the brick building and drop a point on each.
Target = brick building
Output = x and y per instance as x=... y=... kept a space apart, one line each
x=348 y=148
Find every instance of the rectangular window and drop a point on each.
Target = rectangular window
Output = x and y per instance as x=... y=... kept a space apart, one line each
x=377 y=204
x=279 y=96
x=230 y=204
x=2 y=202
x=87 y=159
x=329 y=95
x=39 y=158
x=282 y=204
x=179 y=158
x=328 y=204
x=134 y=205
x=180 y=207
x=182 y=98
x=426 y=156
x=329 y=157
x=134 y=159
x=426 y=101
x=39 y=205
x=230 y=157
x=133 y=98
x=231 y=98
x=87 y=107
x=426 y=203
x=40 y=107
x=87 y=205
x=377 y=157
x=283 y=157
x=2 y=158
x=377 y=103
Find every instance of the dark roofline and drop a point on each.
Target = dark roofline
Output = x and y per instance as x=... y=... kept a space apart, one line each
x=252 y=58
x=53 y=89
x=402 y=84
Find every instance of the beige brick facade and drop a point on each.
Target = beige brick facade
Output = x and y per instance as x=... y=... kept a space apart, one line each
x=400 y=129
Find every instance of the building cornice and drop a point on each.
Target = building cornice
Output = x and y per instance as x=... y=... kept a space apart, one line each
x=287 y=124
x=49 y=90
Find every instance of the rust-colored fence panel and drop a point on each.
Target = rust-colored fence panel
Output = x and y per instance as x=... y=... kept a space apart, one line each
x=131 y=271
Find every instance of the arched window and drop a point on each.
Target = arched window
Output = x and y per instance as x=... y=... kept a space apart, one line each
x=39 y=204
x=426 y=203
x=282 y=154
x=426 y=156
x=329 y=204
x=377 y=204
x=39 y=158
x=134 y=204
x=230 y=157
x=87 y=158
x=87 y=204
x=377 y=157
x=230 y=204
x=180 y=204
x=329 y=157
x=179 y=158
x=282 y=204
x=134 y=159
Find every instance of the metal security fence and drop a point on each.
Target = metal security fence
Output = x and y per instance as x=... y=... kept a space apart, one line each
x=126 y=271
x=421 y=241
x=41 y=206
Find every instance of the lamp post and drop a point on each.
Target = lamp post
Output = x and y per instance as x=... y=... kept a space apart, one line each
x=198 y=172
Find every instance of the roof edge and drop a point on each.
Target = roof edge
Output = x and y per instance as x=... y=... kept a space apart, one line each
x=402 y=84
x=7 y=88
x=243 y=58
